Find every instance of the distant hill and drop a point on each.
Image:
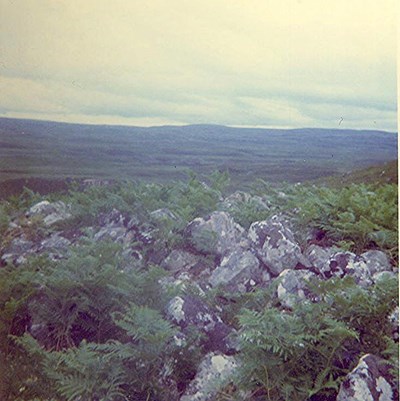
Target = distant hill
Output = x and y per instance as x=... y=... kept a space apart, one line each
x=50 y=150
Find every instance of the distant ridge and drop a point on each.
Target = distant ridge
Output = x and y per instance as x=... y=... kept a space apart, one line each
x=56 y=150
x=204 y=125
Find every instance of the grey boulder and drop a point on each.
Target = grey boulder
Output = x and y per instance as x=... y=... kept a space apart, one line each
x=51 y=212
x=292 y=287
x=275 y=245
x=376 y=261
x=17 y=252
x=214 y=372
x=239 y=271
x=180 y=261
x=368 y=381
x=215 y=234
x=332 y=262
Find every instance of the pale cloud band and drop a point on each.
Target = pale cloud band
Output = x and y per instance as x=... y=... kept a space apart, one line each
x=260 y=63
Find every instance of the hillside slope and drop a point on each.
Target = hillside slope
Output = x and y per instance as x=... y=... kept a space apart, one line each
x=183 y=291
x=56 y=150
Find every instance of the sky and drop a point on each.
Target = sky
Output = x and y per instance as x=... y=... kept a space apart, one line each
x=266 y=63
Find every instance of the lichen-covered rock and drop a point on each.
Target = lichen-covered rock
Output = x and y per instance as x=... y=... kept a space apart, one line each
x=368 y=381
x=358 y=269
x=114 y=217
x=39 y=208
x=214 y=372
x=189 y=311
x=51 y=212
x=376 y=261
x=332 y=262
x=20 y=248
x=180 y=261
x=54 y=242
x=385 y=275
x=20 y=245
x=319 y=257
x=55 y=245
x=275 y=245
x=113 y=227
x=292 y=287
x=111 y=233
x=183 y=282
x=17 y=252
x=239 y=271
x=216 y=234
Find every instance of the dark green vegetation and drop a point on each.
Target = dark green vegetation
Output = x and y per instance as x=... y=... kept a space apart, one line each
x=105 y=336
x=302 y=355
x=49 y=150
x=386 y=173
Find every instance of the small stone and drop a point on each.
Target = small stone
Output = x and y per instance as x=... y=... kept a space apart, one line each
x=214 y=372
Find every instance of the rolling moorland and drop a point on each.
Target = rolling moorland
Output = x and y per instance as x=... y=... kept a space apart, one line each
x=55 y=151
x=229 y=285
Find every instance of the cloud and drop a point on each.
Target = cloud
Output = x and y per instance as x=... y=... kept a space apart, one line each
x=298 y=62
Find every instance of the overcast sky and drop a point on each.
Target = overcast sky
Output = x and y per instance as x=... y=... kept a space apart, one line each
x=275 y=63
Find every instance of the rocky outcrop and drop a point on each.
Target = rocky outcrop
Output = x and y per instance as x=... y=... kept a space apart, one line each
x=332 y=262
x=368 y=381
x=275 y=245
x=319 y=257
x=215 y=234
x=215 y=252
x=239 y=197
x=18 y=250
x=292 y=287
x=55 y=246
x=116 y=226
x=239 y=271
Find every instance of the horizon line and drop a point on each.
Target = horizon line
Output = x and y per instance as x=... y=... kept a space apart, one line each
x=178 y=124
